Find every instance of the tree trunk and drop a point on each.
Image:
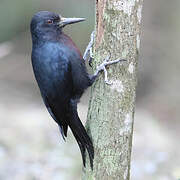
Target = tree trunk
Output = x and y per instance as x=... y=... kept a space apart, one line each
x=111 y=108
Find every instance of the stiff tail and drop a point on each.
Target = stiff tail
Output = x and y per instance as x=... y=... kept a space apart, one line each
x=81 y=135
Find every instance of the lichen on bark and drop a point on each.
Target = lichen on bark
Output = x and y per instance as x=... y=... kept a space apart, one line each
x=111 y=107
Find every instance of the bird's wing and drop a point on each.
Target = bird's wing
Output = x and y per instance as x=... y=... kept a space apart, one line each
x=57 y=92
x=80 y=77
x=63 y=127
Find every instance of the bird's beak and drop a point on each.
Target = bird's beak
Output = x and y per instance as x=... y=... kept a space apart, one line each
x=66 y=21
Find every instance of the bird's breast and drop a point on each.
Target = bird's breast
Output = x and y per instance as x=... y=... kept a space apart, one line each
x=50 y=65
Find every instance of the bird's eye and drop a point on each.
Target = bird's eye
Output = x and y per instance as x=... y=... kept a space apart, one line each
x=49 y=21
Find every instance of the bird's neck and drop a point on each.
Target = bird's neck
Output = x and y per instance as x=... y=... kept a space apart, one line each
x=42 y=37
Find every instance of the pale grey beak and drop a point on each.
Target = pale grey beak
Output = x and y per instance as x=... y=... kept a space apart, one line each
x=66 y=21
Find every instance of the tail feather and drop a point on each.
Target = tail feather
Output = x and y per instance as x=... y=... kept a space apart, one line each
x=81 y=135
x=82 y=148
x=83 y=141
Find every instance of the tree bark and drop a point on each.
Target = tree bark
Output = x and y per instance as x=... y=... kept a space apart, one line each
x=111 y=108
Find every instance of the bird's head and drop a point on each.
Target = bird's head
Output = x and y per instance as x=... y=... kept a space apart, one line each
x=45 y=22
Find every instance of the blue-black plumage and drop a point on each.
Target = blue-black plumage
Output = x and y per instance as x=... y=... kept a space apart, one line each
x=61 y=74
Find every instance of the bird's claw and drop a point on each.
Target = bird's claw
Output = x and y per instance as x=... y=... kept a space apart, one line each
x=88 y=51
x=102 y=67
x=90 y=61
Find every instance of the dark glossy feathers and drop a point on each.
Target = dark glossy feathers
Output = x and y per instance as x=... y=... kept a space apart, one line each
x=62 y=78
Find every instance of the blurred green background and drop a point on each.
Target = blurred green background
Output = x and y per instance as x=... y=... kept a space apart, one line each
x=30 y=145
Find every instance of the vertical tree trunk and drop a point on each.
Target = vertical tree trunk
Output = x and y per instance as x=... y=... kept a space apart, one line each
x=111 y=108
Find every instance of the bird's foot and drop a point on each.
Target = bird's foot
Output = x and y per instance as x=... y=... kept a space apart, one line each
x=102 y=67
x=88 y=52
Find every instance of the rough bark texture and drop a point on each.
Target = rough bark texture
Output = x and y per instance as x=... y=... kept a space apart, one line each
x=111 y=108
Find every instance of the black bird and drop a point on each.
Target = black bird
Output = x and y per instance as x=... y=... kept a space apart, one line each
x=61 y=75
